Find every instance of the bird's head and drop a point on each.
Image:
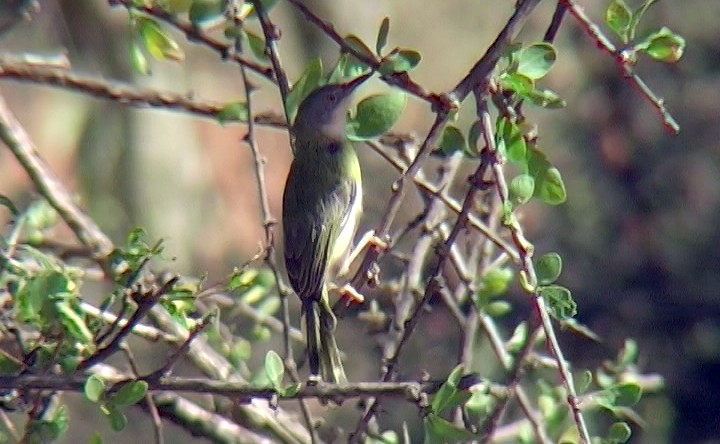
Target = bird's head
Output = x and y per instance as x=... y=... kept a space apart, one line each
x=323 y=113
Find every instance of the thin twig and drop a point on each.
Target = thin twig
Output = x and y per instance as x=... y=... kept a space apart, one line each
x=177 y=354
x=440 y=102
x=624 y=63
x=196 y=35
x=272 y=35
x=110 y=90
x=410 y=391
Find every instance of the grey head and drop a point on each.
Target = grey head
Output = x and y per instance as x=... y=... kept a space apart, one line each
x=324 y=111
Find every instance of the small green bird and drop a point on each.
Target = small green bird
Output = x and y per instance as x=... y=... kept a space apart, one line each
x=321 y=207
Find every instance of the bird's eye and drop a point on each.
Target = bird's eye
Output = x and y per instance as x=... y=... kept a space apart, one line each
x=332 y=98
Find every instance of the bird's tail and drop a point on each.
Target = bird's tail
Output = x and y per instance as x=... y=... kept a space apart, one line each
x=322 y=350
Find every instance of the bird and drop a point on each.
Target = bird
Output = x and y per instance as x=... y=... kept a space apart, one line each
x=322 y=203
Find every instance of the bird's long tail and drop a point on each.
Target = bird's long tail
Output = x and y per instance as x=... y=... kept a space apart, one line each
x=322 y=350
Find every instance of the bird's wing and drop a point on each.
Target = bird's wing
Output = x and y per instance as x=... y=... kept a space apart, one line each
x=309 y=230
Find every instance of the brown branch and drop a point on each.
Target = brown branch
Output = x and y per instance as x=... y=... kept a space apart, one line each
x=272 y=35
x=109 y=90
x=409 y=391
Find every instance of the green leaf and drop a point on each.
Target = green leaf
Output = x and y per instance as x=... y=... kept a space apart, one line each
x=548 y=268
x=545 y=98
x=274 y=369
x=94 y=388
x=480 y=403
x=257 y=46
x=233 y=112
x=269 y=306
x=204 y=11
x=247 y=10
x=618 y=433
x=95 y=438
x=494 y=283
x=242 y=278
x=401 y=61
x=118 y=420
x=260 y=333
x=290 y=390
x=442 y=398
x=618 y=17
x=517 y=82
x=583 y=381
x=308 y=81
x=663 y=45
x=628 y=355
x=40 y=215
x=536 y=60
x=158 y=43
x=138 y=60
x=549 y=186
x=382 y=35
x=240 y=352
x=628 y=394
x=359 y=46
x=452 y=141
x=474 y=134
x=440 y=430
x=510 y=142
x=559 y=300
x=130 y=393
x=498 y=308
x=375 y=115
x=518 y=338
x=73 y=322
x=521 y=189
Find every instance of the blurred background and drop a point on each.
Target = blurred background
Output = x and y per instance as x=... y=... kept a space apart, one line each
x=639 y=233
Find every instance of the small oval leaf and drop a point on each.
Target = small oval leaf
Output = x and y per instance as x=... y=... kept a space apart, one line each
x=452 y=141
x=402 y=61
x=94 y=388
x=536 y=60
x=375 y=115
x=233 y=112
x=382 y=35
x=274 y=369
x=548 y=268
x=618 y=17
x=158 y=43
x=559 y=300
x=521 y=189
x=129 y=394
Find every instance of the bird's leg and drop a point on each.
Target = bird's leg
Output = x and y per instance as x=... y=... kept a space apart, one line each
x=368 y=239
x=346 y=291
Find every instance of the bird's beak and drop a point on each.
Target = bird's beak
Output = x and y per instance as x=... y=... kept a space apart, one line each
x=351 y=85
